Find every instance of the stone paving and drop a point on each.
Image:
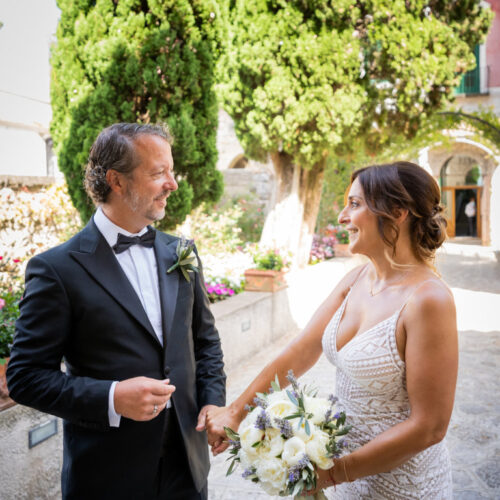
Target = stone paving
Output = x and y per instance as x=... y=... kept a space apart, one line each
x=474 y=432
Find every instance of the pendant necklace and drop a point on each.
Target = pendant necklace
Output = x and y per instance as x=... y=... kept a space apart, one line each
x=372 y=293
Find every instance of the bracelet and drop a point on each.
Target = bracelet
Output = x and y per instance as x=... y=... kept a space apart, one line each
x=345 y=472
x=332 y=479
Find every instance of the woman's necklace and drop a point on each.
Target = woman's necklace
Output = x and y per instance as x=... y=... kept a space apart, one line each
x=388 y=284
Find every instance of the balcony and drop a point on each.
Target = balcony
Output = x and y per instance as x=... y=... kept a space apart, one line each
x=475 y=82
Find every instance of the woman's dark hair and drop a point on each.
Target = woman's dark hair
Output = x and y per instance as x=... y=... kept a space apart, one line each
x=403 y=185
x=114 y=149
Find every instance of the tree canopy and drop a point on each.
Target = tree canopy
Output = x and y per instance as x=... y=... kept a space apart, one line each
x=145 y=61
x=304 y=79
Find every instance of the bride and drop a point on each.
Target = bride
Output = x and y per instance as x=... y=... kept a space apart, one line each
x=390 y=329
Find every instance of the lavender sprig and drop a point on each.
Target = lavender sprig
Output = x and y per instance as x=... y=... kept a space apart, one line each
x=285 y=427
x=263 y=421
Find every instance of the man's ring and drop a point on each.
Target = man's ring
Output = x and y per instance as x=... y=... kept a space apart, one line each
x=155 y=409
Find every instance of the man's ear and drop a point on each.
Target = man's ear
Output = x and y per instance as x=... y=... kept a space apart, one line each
x=115 y=181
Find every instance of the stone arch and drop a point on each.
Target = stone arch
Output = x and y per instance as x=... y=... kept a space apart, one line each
x=239 y=161
x=462 y=154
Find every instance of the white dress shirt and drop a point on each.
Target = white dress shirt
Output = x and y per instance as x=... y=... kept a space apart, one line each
x=139 y=265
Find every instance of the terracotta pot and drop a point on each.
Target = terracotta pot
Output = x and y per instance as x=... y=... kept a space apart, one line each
x=264 y=281
x=342 y=250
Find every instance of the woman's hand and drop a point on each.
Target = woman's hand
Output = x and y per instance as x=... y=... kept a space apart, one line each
x=216 y=419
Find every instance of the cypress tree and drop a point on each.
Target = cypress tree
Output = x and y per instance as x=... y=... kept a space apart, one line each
x=145 y=61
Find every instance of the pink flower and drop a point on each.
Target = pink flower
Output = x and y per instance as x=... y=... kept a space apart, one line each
x=16 y=260
x=2 y=304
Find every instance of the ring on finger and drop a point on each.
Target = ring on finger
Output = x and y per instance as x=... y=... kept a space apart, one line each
x=155 y=409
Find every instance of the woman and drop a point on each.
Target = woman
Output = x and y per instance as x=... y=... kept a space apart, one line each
x=390 y=328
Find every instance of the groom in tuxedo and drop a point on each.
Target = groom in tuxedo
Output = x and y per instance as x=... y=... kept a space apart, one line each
x=142 y=357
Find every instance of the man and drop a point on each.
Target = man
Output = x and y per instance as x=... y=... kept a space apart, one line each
x=142 y=355
x=470 y=212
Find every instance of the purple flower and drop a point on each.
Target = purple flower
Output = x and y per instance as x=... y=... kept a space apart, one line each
x=260 y=402
x=248 y=472
x=291 y=378
x=263 y=421
x=285 y=427
x=295 y=472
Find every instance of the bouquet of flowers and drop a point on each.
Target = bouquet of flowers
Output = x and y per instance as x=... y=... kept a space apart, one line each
x=285 y=437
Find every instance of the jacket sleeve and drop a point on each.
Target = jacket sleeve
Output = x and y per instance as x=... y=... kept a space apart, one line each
x=210 y=376
x=43 y=334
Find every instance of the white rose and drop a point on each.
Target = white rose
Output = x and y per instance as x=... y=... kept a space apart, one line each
x=281 y=408
x=269 y=488
x=245 y=460
x=249 y=436
x=277 y=396
x=273 y=443
x=318 y=407
x=249 y=419
x=293 y=450
x=316 y=449
x=272 y=471
x=301 y=431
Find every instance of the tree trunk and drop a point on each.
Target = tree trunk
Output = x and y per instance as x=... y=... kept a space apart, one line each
x=297 y=193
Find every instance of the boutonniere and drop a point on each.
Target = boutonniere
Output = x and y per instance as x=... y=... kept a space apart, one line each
x=185 y=258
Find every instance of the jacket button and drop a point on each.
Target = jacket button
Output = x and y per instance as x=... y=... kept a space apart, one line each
x=167 y=370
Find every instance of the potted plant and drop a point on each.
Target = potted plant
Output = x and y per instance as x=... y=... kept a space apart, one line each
x=342 y=245
x=269 y=272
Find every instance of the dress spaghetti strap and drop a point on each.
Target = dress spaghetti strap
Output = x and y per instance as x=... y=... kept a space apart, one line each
x=412 y=293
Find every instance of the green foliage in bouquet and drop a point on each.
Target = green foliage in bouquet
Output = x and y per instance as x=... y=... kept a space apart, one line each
x=139 y=61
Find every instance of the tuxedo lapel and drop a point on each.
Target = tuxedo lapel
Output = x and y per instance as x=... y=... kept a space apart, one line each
x=97 y=258
x=165 y=251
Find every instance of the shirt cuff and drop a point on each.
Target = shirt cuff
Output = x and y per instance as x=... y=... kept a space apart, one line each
x=114 y=418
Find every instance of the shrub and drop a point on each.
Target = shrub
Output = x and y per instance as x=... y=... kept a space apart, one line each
x=31 y=222
x=270 y=259
x=139 y=61
x=9 y=311
x=215 y=232
x=322 y=248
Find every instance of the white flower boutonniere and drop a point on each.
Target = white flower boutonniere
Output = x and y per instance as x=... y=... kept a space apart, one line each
x=185 y=258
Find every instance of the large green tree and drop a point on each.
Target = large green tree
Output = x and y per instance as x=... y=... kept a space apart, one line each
x=304 y=79
x=145 y=61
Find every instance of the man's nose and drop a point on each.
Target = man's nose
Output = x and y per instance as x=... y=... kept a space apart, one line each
x=170 y=182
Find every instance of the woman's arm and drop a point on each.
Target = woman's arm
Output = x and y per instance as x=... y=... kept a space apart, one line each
x=431 y=355
x=300 y=355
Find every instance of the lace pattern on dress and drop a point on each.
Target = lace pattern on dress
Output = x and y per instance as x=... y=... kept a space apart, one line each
x=371 y=387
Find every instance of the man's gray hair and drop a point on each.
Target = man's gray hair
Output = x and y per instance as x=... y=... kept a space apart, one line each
x=114 y=149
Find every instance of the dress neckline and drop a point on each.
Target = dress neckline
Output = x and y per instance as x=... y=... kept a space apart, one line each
x=341 y=315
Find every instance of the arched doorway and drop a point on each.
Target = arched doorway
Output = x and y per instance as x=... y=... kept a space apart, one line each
x=464 y=169
x=461 y=186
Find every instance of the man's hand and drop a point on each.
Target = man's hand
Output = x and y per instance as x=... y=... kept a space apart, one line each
x=216 y=419
x=142 y=398
x=202 y=421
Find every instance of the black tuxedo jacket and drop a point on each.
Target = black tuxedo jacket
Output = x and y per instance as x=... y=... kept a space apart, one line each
x=79 y=306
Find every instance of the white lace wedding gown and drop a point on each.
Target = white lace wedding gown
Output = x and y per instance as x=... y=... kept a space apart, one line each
x=371 y=387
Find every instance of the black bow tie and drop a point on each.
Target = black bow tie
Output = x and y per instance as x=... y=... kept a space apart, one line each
x=124 y=242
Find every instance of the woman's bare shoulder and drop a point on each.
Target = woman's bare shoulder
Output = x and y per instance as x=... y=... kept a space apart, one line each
x=431 y=302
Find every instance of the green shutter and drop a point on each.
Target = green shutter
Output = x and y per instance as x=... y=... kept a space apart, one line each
x=470 y=81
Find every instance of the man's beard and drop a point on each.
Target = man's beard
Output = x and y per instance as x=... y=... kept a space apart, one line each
x=142 y=206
